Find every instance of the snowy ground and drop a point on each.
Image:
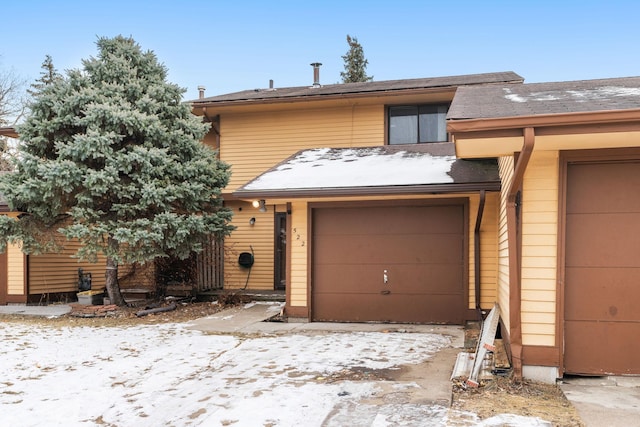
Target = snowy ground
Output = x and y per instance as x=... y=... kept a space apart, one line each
x=171 y=376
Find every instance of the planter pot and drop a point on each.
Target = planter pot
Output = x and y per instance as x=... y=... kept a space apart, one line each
x=90 y=298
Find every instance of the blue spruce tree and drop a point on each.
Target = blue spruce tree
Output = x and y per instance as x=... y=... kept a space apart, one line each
x=112 y=157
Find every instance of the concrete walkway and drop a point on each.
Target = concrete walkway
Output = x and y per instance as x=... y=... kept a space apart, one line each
x=36 y=310
x=604 y=401
x=250 y=319
x=433 y=376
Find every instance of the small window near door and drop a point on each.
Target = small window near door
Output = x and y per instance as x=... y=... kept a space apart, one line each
x=414 y=124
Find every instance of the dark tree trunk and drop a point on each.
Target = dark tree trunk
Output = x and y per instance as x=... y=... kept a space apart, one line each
x=171 y=307
x=113 y=288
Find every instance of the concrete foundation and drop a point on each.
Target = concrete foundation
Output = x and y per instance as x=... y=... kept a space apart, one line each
x=543 y=374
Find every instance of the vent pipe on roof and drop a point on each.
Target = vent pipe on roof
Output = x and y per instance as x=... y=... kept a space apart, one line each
x=201 y=90
x=270 y=83
x=316 y=73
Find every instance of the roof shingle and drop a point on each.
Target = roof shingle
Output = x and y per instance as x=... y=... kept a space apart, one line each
x=285 y=93
x=498 y=101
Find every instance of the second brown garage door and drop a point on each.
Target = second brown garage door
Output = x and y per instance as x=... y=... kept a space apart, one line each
x=602 y=268
x=389 y=264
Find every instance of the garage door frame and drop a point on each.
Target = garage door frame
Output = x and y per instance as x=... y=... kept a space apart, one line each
x=457 y=201
x=567 y=158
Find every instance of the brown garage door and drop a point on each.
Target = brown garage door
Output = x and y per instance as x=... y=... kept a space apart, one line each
x=602 y=269
x=389 y=264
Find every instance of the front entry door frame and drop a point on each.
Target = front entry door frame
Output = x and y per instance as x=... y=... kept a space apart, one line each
x=280 y=251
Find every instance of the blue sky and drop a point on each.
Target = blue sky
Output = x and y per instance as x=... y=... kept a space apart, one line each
x=229 y=46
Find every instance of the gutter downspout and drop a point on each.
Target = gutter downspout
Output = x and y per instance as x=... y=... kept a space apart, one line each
x=476 y=252
x=515 y=251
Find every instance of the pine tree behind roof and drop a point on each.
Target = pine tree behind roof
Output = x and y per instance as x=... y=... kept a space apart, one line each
x=355 y=64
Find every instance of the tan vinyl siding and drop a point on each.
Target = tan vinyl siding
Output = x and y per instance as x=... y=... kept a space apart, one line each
x=539 y=248
x=488 y=250
x=254 y=142
x=259 y=237
x=15 y=270
x=58 y=272
x=506 y=165
x=299 y=252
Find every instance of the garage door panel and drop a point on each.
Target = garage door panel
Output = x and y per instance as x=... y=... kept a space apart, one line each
x=373 y=308
x=592 y=190
x=389 y=250
x=610 y=285
x=436 y=278
x=603 y=240
x=607 y=344
x=422 y=248
x=357 y=278
x=432 y=219
x=352 y=279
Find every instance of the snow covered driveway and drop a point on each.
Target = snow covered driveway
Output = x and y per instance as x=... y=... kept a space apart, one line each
x=171 y=376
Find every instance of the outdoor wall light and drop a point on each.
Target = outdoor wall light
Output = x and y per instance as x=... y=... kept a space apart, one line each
x=252 y=221
x=261 y=204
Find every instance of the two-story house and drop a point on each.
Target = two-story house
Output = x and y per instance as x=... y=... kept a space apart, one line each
x=428 y=200
x=351 y=198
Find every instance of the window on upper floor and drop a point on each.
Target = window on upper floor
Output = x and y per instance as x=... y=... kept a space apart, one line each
x=414 y=124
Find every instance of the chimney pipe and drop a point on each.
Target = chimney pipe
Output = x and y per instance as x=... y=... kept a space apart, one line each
x=270 y=83
x=201 y=90
x=316 y=73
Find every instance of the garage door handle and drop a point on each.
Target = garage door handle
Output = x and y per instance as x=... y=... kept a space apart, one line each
x=385 y=292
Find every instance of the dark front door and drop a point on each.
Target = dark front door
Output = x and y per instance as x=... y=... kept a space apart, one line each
x=280 y=261
x=389 y=264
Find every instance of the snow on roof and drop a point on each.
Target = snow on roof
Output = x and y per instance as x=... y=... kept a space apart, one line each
x=339 y=168
x=385 y=166
x=580 y=95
